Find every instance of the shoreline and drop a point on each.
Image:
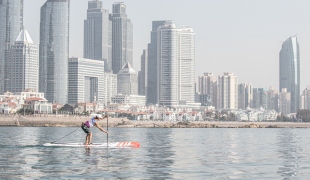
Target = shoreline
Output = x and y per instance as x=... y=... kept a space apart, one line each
x=75 y=121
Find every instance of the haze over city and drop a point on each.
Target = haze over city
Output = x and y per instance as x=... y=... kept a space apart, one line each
x=240 y=36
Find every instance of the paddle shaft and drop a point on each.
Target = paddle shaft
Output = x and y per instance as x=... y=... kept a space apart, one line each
x=108 y=130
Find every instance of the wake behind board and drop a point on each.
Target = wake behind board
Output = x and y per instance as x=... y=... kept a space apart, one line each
x=112 y=144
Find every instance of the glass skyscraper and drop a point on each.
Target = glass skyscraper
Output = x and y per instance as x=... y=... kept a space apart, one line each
x=54 y=50
x=289 y=68
x=122 y=38
x=98 y=34
x=151 y=86
x=11 y=23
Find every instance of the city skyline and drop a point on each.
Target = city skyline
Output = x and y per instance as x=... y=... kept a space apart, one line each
x=249 y=34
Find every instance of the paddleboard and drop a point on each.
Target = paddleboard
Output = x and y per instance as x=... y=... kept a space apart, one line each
x=112 y=144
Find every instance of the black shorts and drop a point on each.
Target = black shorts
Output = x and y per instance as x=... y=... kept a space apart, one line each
x=85 y=128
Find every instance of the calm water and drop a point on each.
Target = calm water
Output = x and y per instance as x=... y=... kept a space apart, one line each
x=164 y=154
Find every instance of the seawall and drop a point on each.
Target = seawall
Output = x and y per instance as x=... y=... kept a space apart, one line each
x=75 y=121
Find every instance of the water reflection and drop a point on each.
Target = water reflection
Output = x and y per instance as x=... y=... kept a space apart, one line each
x=289 y=152
x=159 y=154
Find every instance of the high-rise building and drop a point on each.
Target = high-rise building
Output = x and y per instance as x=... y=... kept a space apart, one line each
x=245 y=95
x=305 y=98
x=290 y=70
x=54 y=50
x=272 y=99
x=207 y=89
x=110 y=86
x=127 y=81
x=142 y=75
x=259 y=98
x=176 y=65
x=168 y=65
x=86 y=80
x=284 y=101
x=98 y=34
x=228 y=91
x=122 y=37
x=152 y=94
x=11 y=23
x=24 y=64
x=186 y=68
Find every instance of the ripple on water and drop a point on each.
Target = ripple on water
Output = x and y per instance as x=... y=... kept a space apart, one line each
x=164 y=154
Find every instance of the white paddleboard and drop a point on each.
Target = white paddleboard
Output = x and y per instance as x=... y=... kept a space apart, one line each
x=112 y=144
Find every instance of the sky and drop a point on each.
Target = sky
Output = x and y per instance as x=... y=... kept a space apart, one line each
x=239 y=36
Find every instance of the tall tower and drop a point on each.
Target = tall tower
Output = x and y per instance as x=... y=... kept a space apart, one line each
x=122 y=38
x=186 y=65
x=11 y=23
x=176 y=65
x=228 y=91
x=168 y=65
x=24 y=64
x=142 y=75
x=98 y=34
x=289 y=68
x=152 y=68
x=54 y=50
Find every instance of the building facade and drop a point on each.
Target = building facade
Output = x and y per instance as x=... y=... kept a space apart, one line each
x=142 y=75
x=284 y=101
x=259 y=98
x=245 y=95
x=134 y=100
x=176 y=65
x=127 y=81
x=305 y=98
x=11 y=23
x=98 y=34
x=54 y=50
x=228 y=91
x=207 y=89
x=289 y=67
x=110 y=85
x=24 y=64
x=187 y=58
x=122 y=37
x=168 y=65
x=272 y=99
x=86 y=80
x=152 y=69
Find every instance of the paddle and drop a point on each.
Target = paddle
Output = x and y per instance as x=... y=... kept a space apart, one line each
x=107 y=130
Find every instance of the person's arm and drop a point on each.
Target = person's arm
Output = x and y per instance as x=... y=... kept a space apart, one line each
x=101 y=129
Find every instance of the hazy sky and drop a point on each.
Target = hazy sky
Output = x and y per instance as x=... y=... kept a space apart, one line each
x=239 y=36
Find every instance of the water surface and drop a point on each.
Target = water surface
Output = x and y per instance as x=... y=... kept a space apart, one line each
x=164 y=154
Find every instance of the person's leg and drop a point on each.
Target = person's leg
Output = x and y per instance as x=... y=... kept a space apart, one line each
x=90 y=137
x=86 y=139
